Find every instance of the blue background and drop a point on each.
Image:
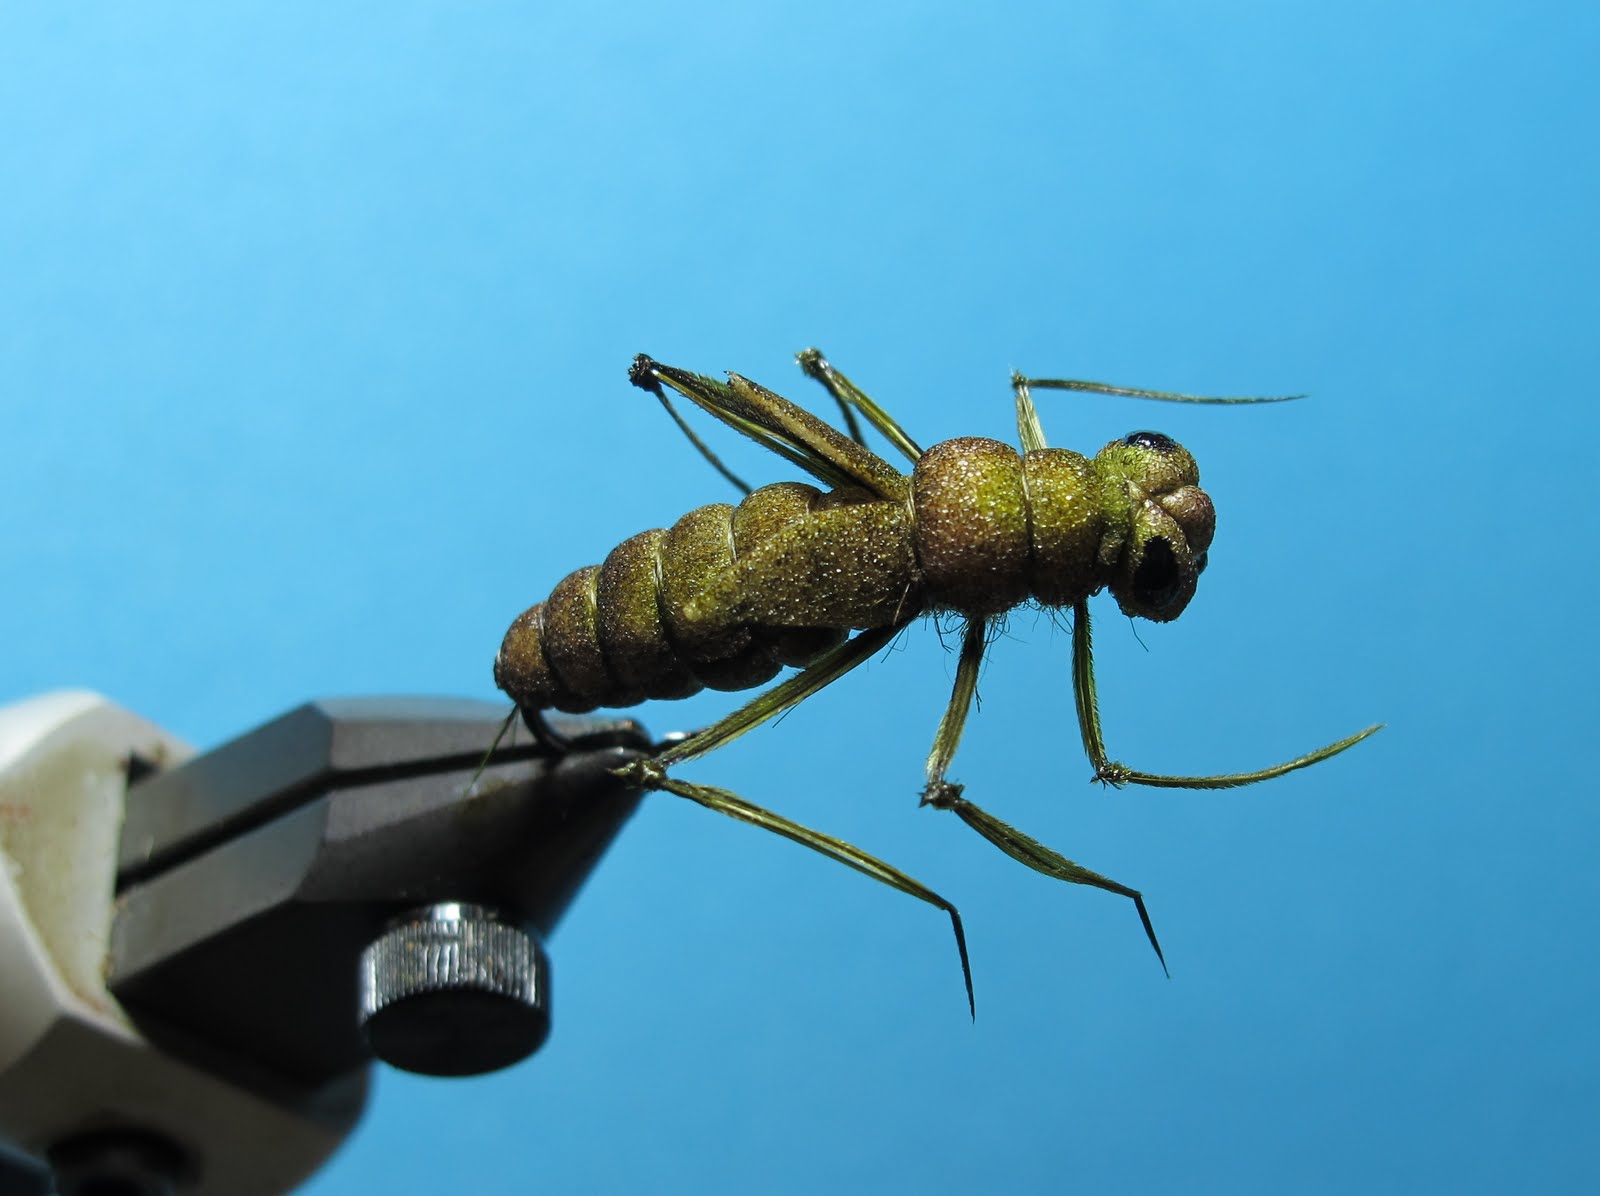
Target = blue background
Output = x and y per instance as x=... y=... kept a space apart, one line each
x=314 y=324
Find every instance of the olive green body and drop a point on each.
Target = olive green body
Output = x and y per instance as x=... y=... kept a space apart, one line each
x=730 y=594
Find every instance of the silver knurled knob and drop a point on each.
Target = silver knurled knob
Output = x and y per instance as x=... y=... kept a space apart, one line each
x=454 y=990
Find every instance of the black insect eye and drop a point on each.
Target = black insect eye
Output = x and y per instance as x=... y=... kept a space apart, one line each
x=1155 y=581
x=1200 y=564
x=1150 y=440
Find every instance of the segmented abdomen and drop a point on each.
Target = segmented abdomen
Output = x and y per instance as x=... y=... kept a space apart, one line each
x=674 y=611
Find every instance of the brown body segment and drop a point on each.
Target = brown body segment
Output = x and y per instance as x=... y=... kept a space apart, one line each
x=972 y=525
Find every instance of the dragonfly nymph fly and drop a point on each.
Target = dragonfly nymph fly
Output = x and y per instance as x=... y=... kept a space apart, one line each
x=822 y=577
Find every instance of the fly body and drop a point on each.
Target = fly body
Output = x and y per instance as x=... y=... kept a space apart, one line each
x=729 y=595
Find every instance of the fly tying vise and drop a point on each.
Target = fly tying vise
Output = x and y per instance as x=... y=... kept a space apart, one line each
x=729 y=595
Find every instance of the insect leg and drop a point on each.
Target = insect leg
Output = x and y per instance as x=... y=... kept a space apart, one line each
x=826 y=669
x=777 y=424
x=494 y=745
x=942 y=795
x=851 y=398
x=833 y=664
x=954 y=722
x=1041 y=858
x=1132 y=392
x=734 y=806
x=704 y=449
x=1029 y=431
x=815 y=365
x=1114 y=773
